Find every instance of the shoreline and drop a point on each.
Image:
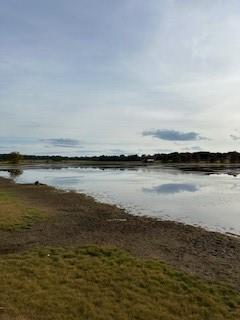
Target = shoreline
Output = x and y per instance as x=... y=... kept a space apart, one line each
x=76 y=219
x=85 y=163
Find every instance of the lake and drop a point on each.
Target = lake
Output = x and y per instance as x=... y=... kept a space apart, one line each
x=197 y=198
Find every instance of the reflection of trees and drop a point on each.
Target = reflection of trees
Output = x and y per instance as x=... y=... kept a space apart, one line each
x=14 y=173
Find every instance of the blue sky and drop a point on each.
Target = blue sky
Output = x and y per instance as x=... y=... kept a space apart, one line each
x=131 y=76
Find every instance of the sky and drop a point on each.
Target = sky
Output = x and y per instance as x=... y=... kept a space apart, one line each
x=90 y=77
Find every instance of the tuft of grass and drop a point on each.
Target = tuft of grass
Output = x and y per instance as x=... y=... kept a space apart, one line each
x=15 y=214
x=102 y=284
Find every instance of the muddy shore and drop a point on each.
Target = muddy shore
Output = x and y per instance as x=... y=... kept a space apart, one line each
x=76 y=219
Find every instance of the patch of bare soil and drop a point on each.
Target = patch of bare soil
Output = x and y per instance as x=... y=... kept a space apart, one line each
x=76 y=219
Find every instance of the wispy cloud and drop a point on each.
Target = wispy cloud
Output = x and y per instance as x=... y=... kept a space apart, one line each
x=174 y=135
x=193 y=148
x=163 y=150
x=63 y=143
x=234 y=137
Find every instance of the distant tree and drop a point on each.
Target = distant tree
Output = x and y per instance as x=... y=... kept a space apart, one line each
x=14 y=157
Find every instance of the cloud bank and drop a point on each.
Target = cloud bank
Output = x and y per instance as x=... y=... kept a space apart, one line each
x=102 y=72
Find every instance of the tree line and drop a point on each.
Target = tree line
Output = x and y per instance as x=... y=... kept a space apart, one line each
x=174 y=157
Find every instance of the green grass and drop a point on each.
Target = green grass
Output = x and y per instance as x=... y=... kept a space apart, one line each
x=14 y=213
x=96 y=283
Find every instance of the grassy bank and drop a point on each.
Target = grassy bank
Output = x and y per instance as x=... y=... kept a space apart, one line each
x=15 y=214
x=96 y=283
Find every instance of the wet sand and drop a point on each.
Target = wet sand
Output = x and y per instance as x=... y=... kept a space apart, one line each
x=76 y=219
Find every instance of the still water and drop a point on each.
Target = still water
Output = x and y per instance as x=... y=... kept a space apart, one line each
x=211 y=201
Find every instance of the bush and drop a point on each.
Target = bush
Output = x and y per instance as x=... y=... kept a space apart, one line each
x=14 y=157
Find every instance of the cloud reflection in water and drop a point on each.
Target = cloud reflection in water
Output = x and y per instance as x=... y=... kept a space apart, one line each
x=170 y=188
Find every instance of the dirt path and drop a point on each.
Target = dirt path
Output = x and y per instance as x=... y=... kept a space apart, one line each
x=75 y=219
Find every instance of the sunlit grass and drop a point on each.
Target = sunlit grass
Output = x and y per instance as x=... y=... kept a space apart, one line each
x=14 y=213
x=95 y=283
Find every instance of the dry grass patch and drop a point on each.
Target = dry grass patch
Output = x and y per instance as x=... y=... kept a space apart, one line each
x=14 y=213
x=95 y=283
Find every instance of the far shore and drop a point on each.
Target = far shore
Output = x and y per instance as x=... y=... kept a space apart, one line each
x=76 y=219
x=186 y=166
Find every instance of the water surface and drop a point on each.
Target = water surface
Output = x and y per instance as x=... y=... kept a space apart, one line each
x=211 y=201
